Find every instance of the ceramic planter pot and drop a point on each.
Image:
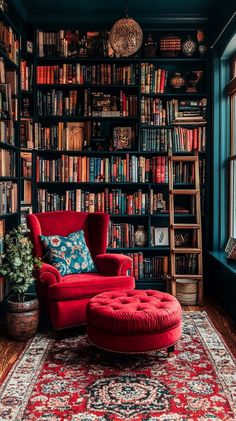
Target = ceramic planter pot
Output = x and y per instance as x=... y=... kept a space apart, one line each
x=22 y=318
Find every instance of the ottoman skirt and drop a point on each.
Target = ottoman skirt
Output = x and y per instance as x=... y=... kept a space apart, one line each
x=134 y=344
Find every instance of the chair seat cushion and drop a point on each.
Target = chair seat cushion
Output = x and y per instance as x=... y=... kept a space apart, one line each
x=79 y=286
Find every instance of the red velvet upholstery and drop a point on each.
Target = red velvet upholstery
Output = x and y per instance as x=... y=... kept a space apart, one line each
x=66 y=297
x=134 y=321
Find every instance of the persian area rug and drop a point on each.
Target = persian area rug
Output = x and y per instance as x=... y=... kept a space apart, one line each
x=68 y=379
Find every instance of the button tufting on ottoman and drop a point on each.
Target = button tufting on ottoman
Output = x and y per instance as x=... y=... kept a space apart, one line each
x=134 y=321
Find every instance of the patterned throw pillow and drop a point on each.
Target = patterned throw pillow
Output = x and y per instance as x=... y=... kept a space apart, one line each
x=68 y=254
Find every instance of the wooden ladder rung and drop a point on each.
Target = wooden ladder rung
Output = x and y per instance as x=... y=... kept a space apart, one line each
x=185 y=191
x=185 y=226
x=185 y=276
x=184 y=158
x=181 y=250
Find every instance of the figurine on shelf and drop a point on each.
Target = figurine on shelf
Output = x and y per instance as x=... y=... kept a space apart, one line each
x=202 y=48
x=25 y=112
x=189 y=47
x=177 y=81
x=192 y=79
x=140 y=236
x=150 y=47
x=86 y=147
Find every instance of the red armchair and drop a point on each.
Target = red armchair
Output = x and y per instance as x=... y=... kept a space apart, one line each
x=66 y=297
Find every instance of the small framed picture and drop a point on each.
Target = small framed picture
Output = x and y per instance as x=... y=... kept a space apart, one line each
x=25 y=210
x=230 y=248
x=29 y=47
x=122 y=137
x=161 y=236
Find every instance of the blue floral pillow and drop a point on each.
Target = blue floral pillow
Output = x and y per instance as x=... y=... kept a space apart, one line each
x=68 y=254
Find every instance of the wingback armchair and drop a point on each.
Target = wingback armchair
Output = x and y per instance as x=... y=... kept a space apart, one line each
x=66 y=297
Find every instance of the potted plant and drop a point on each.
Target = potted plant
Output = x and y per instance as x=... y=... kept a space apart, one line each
x=17 y=269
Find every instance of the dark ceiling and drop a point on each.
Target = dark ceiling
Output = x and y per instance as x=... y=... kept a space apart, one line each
x=103 y=12
x=104 y=7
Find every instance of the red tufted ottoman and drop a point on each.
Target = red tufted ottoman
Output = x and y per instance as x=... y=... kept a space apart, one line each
x=134 y=321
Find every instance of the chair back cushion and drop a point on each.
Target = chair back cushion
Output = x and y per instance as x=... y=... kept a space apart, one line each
x=68 y=254
x=94 y=225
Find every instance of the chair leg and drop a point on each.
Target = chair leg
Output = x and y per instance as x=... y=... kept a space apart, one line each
x=170 y=351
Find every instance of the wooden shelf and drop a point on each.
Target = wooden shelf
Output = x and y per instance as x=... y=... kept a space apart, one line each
x=8 y=146
x=14 y=179
x=83 y=118
x=84 y=86
x=8 y=61
x=7 y=215
x=136 y=249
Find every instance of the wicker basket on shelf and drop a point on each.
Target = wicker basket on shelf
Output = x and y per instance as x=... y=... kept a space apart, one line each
x=186 y=291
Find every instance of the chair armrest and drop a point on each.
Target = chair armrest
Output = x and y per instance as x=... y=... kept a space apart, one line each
x=48 y=274
x=113 y=264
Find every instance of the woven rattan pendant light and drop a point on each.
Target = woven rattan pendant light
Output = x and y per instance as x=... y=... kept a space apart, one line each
x=126 y=36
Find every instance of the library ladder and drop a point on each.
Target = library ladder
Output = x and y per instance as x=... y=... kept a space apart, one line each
x=196 y=249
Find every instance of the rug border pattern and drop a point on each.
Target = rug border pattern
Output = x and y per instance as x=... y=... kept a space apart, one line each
x=29 y=365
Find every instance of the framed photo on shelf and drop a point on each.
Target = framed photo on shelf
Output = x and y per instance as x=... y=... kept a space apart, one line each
x=161 y=236
x=122 y=137
x=29 y=47
x=25 y=210
x=230 y=248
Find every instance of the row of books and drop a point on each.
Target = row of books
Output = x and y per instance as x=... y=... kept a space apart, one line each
x=27 y=72
x=184 y=172
x=94 y=74
x=122 y=235
x=7 y=132
x=178 y=139
x=26 y=192
x=7 y=163
x=153 y=267
x=188 y=140
x=103 y=104
x=154 y=111
x=58 y=103
x=8 y=103
x=65 y=43
x=135 y=169
x=9 y=42
x=8 y=194
x=8 y=76
x=153 y=80
x=27 y=135
x=26 y=164
x=112 y=201
x=157 y=112
x=156 y=140
x=186 y=264
x=62 y=136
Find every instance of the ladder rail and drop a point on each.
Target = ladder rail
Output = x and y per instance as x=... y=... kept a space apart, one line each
x=197 y=249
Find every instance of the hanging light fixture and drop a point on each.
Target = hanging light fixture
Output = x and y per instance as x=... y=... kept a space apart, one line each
x=126 y=36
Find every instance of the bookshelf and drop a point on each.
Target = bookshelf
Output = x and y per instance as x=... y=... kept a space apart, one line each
x=27 y=112
x=9 y=128
x=125 y=118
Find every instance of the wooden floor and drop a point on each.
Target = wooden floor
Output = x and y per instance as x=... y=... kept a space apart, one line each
x=10 y=350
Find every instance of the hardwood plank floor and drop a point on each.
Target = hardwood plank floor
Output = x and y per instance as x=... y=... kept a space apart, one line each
x=10 y=350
